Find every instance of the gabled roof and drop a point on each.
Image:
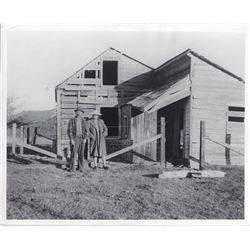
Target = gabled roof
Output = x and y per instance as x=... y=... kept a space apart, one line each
x=110 y=48
x=131 y=58
x=193 y=53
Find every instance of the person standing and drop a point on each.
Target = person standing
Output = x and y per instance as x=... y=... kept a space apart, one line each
x=97 y=133
x=78 y=132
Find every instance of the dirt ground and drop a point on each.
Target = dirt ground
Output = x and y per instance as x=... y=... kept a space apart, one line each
x=125 y=191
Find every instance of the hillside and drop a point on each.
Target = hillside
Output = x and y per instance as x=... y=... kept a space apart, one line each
x=45 y=121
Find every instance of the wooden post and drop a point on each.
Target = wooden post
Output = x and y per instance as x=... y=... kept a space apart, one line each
x=28 y=135
x=163 y=143
x=22 y=140
x=14 y=138
x=58 y=123
x=35 y=134
x=227 y=150
x=202 y=144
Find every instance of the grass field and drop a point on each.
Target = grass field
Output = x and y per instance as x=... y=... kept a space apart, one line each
x=125 y=191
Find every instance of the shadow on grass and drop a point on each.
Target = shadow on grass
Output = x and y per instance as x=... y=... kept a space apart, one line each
x=151 y=175
x=18 y=160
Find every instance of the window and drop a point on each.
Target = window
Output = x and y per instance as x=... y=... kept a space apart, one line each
x=235 y=119
x=89 y=74
x=236 y=114
x=110 y=117
x=110 y=72
x=234 y=108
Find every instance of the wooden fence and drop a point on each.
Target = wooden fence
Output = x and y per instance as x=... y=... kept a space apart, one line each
x=226 y=145
x=22 y=144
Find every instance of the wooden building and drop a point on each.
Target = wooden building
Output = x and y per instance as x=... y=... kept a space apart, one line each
x=132 y=97
x=106 y=83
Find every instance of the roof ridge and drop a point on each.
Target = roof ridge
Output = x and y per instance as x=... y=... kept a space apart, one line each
x=203 y=58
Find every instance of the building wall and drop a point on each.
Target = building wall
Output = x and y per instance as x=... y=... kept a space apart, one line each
x=90 y=94
x=212 y=92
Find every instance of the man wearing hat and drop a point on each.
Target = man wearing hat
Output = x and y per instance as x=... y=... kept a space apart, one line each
x=78 y=131
x=97 y=133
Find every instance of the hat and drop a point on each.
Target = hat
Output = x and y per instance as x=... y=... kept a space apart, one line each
x=79 y=109
x=96 y=113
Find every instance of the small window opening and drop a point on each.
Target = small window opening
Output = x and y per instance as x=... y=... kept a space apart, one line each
x=110 y=72
x=235 y=119
x=89 y=74
x=234 y=108
x=236 y=114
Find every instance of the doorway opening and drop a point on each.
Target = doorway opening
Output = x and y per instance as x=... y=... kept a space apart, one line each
x=110 y=116
x=174 y=117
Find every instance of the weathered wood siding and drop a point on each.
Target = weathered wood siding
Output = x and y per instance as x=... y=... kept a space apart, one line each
x=90 y=94
x=186 y=128
x=144 y=126
x=212 y=92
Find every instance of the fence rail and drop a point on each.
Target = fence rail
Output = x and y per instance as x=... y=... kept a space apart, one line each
x=20 y=142
x=226 y=145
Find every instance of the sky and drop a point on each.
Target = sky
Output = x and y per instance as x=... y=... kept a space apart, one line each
x=39 y=59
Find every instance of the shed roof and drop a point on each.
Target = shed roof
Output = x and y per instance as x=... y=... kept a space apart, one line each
x=162 y=96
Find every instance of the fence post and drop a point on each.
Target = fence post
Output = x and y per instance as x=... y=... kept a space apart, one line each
x=14 y=138
x=163 y=142
x=35 y=134
x=28 y=135
x=227 y=150
x=202 y=144
x=22 y=140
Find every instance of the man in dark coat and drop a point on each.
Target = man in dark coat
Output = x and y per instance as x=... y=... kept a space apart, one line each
x=97 y=133
x=78 y=132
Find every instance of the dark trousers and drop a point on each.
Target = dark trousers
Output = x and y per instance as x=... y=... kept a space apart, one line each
x=77 y=151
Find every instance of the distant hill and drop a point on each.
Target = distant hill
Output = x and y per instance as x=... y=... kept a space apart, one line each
x=44 y=120
x=31 y=116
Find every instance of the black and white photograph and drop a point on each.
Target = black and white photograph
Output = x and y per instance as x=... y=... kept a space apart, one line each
x=112 y=123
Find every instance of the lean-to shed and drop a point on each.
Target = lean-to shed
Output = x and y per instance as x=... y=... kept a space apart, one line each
x=187 y=89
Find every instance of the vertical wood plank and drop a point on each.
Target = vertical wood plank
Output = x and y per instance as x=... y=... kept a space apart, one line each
x=35 y=134
x=227 y=150
x=176 y=135
x=28 y=135
x=129 y=115
x=14 y=138
x=163 y=142
x=58 y=123
x=120 y=121
x=202 y=144
x=78 y=97
x=22 y=140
